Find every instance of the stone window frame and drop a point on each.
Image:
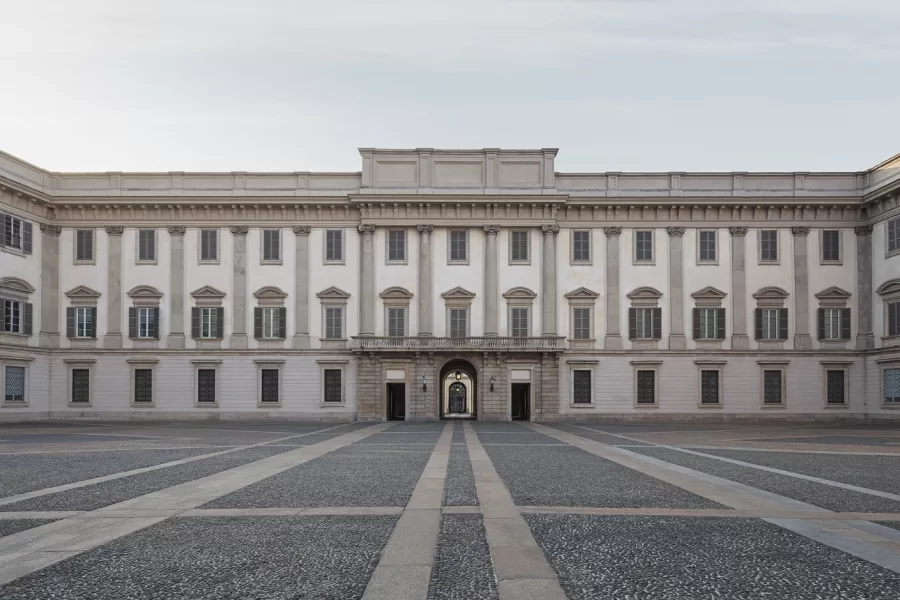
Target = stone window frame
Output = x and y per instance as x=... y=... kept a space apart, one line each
x=519 y=297
x=450 y=259
x=710 y=364
x=840 y=258
x=270 y=296
x=582 y=297
x=218 y=258
x=579 y=364
x=710 y=297
x=338 y=364
x=884 y=364
x=26 y=235
x=708 y=262
x=510 y=234
x=262 y=246
x=334 y=261
x=208 y=297
x=649 y=298
x=895 y=222
x=634 y=250
x=84 y=261
x=17 y=290
x=890 y=294
x=771 y=297
x=274 y=364
x=836 y=365
x=387 y=246
x=15 y=360
x=73 y=364
x=581 y=262
x=137 y=247
x=759 y=247
x=458 y=298
x=146 y=296
x=834 y=298
x=142 y=362
x=396 y=297
x=777 y=364
x=82 y=296
x=206 y=363
x=333 y=297
x=640 y=364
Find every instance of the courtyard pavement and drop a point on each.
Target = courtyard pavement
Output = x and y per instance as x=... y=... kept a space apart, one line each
x=392 y=511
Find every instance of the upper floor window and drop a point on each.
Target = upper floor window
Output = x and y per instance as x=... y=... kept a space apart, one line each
x=643 y=246
x=84 y=321
x=893 y=235
x=708 y=250
x=834 y=323
x=15 y=233
x=771 y=324
x=581 y=246
x=209 y=245
x=396 y=245
x=143 y=322
x=396 y=318
x=459 y=322
x=709 y=323
x=208 y=316
x=581 y=323
x=271 y=245
x=334 y=304
x=831 y=245
x=271 y=322
x=84 y=245
x=334 y=245
x=518 y=317
x=81 y=316
x=891 y=384
x=459 y=245
x=146 y=245
x=768 y=245
x=645 y=323
x=17 y=311
x=893 y=312
x=518 y=246
x=334 y=323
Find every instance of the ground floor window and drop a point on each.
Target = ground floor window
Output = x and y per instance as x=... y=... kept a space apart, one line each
x=332 y=385
x=14 y=386
x=834 y=386
x=646 y=387
x=143 y=386
x=206 y=386
x=892 y=386
x=773 y=386
x=709 y=386
x=581 y=386
x=269 y=383
x=81 y=386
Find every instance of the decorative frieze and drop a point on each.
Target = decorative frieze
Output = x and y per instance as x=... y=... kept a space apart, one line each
x=738 y=231
x=863 y=230
x=302 y=229
x=802 y=231
x=675 y=231
x=176 y=230
x=239 y=230
x=50 y=229
x=612 y=231
x=115 y=230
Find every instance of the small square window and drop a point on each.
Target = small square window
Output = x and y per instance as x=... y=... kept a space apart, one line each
x=581 y=386
x=708 y=250
x=271 y=245
x=831 y=245
x=84 y=245
x=334 y=245
x=459 y=245
x=646 y=386
x=209 y=245
x=146 y=245
x=14 y=384
x=518 y=246
x=773 y=386
x=396 y=245
x=643 y=246
x=332 y=386
x=206 y=386
x=581 y=246
x=143 y=386
x=768 y=245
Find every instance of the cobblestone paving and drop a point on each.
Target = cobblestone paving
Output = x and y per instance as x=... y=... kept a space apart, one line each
x=403 y=438
x=891 y=524
x=103 y=494
x=11 y=526
x=525 y=437
x=672 y=558
x=322 y=558
x=817 y=494
x=603 y=438
x=555 y=476
x=459 y=487
x=462 y=567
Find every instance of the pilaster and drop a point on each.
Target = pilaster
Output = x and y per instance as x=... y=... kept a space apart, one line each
x=802 y=339
x=549 y=322
x=367 y=282
x=613 y=300
x=176 y=287
x=301 y=286
x=677 y=340
x=425 y=292
x=865 y=338
x=239 y=301
x=113 y=337
x=739 y=338
x=50 y=285
x=491 y=291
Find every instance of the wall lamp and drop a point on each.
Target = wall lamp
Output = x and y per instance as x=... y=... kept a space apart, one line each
x=493 y=379
x=424 y=384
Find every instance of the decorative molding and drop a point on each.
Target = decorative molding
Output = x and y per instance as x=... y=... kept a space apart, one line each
x=176 y=229
x=114 y=230
x=675 y=231
x=551 y=229
x=770 y=292
x=425 y=228
x=800 y=230
x=612 y=231
x=457 y=292
x=366 y=228
x=738 y=231
x=834 y=292
x=889 y=287
x=709 y=292
x=396 y=292
x=207 y=291
x=582 y=292
x=82 y=291
x=863 y=230
x=14 y=284
x=333 y=293
x=644 y=292
x=492 y=229
x=520 y=293
x=50 y=229
x=302 y=229
x=144 y=291
x=239 y=229
x=270 y=292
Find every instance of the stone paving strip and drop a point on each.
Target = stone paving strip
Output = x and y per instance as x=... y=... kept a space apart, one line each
x=104 y=478
x=404 y=570
x=520 y=567
x=874 y=543
x=28 y=551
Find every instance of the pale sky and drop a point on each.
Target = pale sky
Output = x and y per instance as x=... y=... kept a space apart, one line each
x=617 y=85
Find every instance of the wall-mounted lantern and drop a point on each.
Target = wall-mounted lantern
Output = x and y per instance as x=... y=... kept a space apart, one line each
x=424 y=384
x=493 y=379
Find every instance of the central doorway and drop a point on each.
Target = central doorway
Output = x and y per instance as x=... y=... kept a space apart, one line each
x=396 y=401
x=458 y=385
x=520 y=402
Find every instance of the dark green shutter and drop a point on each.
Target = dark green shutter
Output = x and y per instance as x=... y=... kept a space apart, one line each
x=257 y=323
x=93 y=332
x=195 y=322
x=782 y=323
x=282 y=322
x=821 y=318
x=27 y=312
x=132 y=322
x=155 y=329
x=697 y=331
x=70 y=322
x=2 y=229
x=220 y=322
x=720 y=323
x=758 y=318
x=26 y=237
x=657 y=323
x=845 y=323
x=632 y=323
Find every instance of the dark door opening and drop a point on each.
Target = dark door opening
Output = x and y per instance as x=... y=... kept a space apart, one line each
x=396 y=401
x=521 y=393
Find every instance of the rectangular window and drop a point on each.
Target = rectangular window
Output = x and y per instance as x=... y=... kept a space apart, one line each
x=334 y=323
x=14 y=388
x=271 y=245
x=12 y=316
x=893 y=311
x=581 y=246
x=646 y=387
x=143 y=386
x=209 y=325
x=84 y=245
x=770 y=329
x=146 y=245
x=892 y=386
x=643 y=246
x=81 y=386
x=772 y=386
x=832 y=323
x=209 y=245
x=709 y=386
x=835 y=387
x=893 y=235
x=146 y=322
x=518 y=317
x=332 y=386
x=581 y=323
x=518 y=246
x=396 y=322
x=768 y=245
x=397 y=245
x=269 y=392
x=12 y=232
x=708 y=246
x=206 y=386
x=709 y=325
x=581 y=386
x=334 y=245
x=643 y=323
x=831 y=245
x=271 y=323
x=459 y=322
x=459 y=251
x=84 y=322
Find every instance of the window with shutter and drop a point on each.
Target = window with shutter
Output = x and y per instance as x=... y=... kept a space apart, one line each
x=519 y=322
x=334 y=245
x=891 y=379
x=146 y=322
x=13 y=232
x=209 y=325
x=772 y=386
x=269 y=382
x=459 y=251
x=770 y=325
x=206 y=386
x=834 y=384
x=581 y=386
x=397 y=245
x=646 y=387
x=332 y=385
x=459 y=322
x=581 y=246
x=518 y=249
x=12 y=316
x=84 y=321
x=709 y=386
x=709 y=324
x=81 y=386
x=831 y=245
x=143 y=386
x=14 y=384
x=271 y=323
x=396 y=321
x=643 y=323
x=893 y=310
x=831 y=323
x=893 y=235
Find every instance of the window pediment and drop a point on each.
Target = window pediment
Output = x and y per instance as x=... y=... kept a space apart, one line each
x=333 y=293
x=891 y=286
x=207 y=291
x=582 y=293
x=520 y=293
x=458 y=293
x=833 y=293
x=709 y=293
x=82 y=291
x=645 y=293
x=771 y=293
x=15 y=287
x=270 y=292
x=144 y=291
x=396 y=293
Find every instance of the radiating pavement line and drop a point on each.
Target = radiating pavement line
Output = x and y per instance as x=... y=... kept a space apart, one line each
x=34 y=549
x=520 y=566
x=404 y=571
x=877 y=544
x=181 y=461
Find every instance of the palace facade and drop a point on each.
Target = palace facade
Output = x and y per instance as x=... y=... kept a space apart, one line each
x=450 y=284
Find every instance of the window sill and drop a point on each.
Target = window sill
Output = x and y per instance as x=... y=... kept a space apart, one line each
x=707 y=263
x=332 y=404
x=396 y=262
x=458 y=262
x=261 y=404
x=79 y=404
x=772 y=406
x=13 y=250
x=271 y=262
x=19 y=339
x=270 y=343
x=582 y=405
x=206 y=404
x=645 y=344
x=581 y=344
x=646 y=405
x=838 y=406
x=143 y=404
x=709 y=405
x=891 y=340
x=83 y=342
x=514 y=263
x=84 y=262
x=891 y=406
x=770 y=262
x=332 y=343
x=207 y=262
x=328 y=263
x=581 y=263
x=644 y=263
x=14 y=404
x=892 y=253
x=146 y=262
x=831 y=263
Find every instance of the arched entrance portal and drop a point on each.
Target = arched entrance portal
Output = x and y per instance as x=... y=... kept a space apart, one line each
x=458 y=385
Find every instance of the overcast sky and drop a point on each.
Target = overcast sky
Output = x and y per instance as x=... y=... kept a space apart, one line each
x=617 y=85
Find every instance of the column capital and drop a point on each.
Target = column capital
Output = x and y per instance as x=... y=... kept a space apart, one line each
x=551 y=229
x=425 y=228
x=239 y=230
x=860 y=230
x=367 y=228
x=50 y=229
x=738 y=231
x=800 y=230
x=675 y=231
x=302 y=229
x=115 y=230
x=612 y=230
x=176 y=230
x=492 y=229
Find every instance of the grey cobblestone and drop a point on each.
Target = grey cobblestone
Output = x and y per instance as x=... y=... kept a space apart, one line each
x=459 y=486
x=462 y=567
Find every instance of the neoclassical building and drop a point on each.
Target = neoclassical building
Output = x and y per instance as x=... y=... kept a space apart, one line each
x=450 y=284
